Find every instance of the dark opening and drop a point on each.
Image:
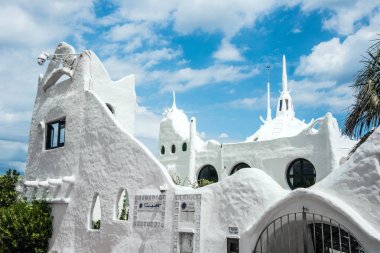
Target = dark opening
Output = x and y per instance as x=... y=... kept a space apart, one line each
x=287 y=104
x=232 y=245
x=55 y=134
x=301 y=174
x=239 y=166
x=184 y=146
x=110 y=107
x=208 y=172
x=280 y=105
x=162 y=150
x=173 y=148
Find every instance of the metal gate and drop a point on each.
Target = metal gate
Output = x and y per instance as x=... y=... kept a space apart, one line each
x=306 y=232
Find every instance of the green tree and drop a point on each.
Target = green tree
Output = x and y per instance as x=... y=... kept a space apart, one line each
x=364 y=115
x=24 y=226
x=8 y=193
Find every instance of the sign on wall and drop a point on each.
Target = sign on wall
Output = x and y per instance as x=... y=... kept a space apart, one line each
x=149 y=211
x=233 y=230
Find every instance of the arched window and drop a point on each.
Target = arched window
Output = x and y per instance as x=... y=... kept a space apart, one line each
x=173 y=148
x=122 y=205
x=301 y=173
x=184 y=146
x=238 y=167
x=209 y=173
x=96 y=215
x=110 y=107
x=162 y=150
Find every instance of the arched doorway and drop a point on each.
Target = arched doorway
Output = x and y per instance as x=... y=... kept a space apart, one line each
x=306 y=232
x=239 y=166
x=208 y=172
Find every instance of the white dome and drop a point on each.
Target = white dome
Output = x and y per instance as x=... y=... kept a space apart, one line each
x=279 y=127
x=177 y=121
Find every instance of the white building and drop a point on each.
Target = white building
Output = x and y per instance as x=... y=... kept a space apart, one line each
x=82 y=155
x=292 y=152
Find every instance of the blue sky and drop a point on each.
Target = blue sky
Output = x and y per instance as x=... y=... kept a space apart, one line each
x=212 y=53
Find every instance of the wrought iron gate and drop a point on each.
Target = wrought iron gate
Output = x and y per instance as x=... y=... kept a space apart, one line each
x=306 y=232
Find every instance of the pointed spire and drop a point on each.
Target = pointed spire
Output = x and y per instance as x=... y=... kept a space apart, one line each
x=174 y=106
x=284 y=76
x=269 y=112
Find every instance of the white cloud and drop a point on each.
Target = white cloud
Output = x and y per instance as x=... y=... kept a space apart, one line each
x=13 y=155
x=188 y=78
x=150 y=58
x=245 y=103
x=339 y=60
x=345 y=14
x=202 y=135
x=315 y=94
x=296 y=30
x=147 y=124
x=181 y=79
x=228 y=17
x=223 y=135
x=227 y=52
x=42 y=22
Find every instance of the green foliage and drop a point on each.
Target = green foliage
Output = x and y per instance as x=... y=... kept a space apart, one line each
x=8 y=193
x=202 y=182
x=124 y=210
x=176 y=179
x=364 y=114
x=95 y=224
x=24 y=227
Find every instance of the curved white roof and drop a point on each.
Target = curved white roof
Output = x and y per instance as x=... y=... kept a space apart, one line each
x=279 y=127
x=176 y=120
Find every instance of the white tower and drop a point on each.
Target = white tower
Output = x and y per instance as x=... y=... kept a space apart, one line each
x=285 y=104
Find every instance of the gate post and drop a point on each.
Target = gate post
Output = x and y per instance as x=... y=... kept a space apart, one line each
x=304 y=230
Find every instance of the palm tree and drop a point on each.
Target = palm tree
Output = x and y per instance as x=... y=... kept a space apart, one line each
x=364 y=115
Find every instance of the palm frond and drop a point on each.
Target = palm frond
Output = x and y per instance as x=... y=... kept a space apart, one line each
x=364 y=114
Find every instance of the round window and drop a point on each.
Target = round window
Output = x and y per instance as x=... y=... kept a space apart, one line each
x=184 y=146
x=239 y=166
x=301 y=174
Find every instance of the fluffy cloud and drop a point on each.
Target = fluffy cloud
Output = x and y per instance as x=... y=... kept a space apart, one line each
x=42 y=22
x=227 y=52
x=13 y=155
x=339 y=60
x=180 y=79
x=147 y=123
x=223 y=136
x=344 y=14
x=316 y=94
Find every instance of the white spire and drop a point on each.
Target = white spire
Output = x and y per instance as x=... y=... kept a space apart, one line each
x=284 y=76
x=174 y=106
x=269 y=112
x=285 y=104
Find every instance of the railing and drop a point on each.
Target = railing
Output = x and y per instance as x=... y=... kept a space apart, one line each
x=305 y=232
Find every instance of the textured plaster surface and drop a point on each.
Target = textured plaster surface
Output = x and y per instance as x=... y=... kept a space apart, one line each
x=102 y=155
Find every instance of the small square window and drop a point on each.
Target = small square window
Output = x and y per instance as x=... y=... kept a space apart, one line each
x=55 y=134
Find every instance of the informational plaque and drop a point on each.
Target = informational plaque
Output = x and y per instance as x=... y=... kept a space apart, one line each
x=149 y=211
x=233 y=230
